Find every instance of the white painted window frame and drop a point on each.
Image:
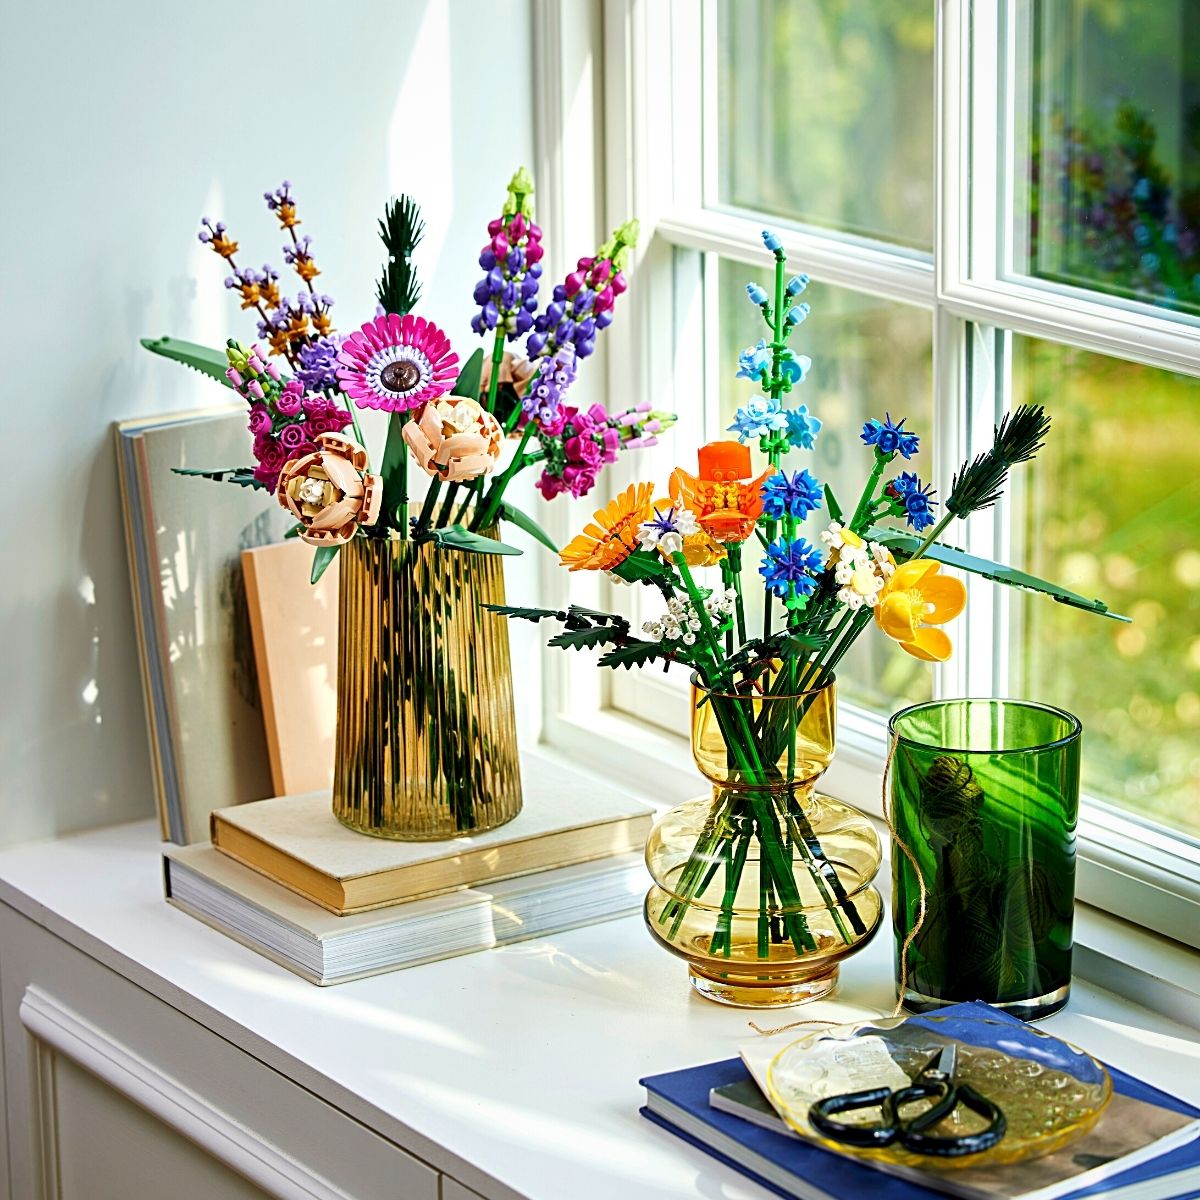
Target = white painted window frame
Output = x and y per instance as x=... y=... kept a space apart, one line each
x=620 y=122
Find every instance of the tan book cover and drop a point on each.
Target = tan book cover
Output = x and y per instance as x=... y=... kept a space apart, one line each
x=296 y=840
x=295 y=625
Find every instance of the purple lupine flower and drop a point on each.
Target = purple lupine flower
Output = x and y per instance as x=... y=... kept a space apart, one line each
x=507 y=293
x=543 y=401
x=317 y=369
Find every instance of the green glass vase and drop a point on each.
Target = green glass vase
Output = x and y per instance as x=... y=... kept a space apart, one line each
x=985 y=793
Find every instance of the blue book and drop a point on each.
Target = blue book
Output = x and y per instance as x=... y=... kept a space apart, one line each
x=1163 y=1168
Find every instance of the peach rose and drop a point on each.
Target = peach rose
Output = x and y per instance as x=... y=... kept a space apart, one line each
x=330 y=492
x=454 y=439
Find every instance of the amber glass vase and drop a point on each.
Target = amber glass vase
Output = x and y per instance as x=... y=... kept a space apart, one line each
x=426 y=741
x=766 y=886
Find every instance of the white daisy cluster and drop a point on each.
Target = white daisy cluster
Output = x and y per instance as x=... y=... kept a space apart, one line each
x=681 y=622
x=861 y=568
x=665 y=531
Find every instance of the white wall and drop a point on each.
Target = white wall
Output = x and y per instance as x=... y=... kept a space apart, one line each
x=124 y=122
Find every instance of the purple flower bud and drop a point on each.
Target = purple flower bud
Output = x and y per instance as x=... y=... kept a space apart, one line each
x=487 y=260
x=584 y=348
x=477 y=324
x=586 y=329
x=530 y=304
x=524 y=321
x=230 y=281
x=515 y=260
x=495 y=278
x=490 y=314
x=560 y=292
x=536 y=344
x=482 y=292
x=583 y=301
x=508 y=296
x=556 y=311
x=604 y=319
x=564 y=330
x=529 y=287
x=204 y=236
x=535 y=269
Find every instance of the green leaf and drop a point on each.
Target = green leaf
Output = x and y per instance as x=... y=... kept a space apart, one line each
x=578 y=639
x=633 y=654
x=595 y=614
x=455 y=537
x=204 y=359
x=835 y=509
x=467 y=383
x=523 y=614
x=905 y=544
x=642 y=565
x=242 y=476
x=394 y=472
x=510 y=512
x=321 y=560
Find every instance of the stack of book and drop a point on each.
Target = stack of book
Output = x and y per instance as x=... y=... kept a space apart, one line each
x=285 y=878
x=1144 y=1146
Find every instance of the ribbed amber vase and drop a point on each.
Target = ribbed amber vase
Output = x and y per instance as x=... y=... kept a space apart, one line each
x=426 y=742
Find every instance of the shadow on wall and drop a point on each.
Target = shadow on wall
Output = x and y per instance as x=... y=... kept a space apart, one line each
x=160 y=123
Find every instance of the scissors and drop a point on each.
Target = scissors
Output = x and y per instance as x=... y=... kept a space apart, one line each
x=934 y=1082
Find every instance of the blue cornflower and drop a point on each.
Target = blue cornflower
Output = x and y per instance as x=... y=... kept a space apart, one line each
x=918 y=501
x=802 y=427
x=761 y=416
x=1150 y=261
x=793 y=564
x=795 y=368
x=771 y=242
x=796 y=496
x=754 y=360
x=1141 y=190
x=1141 y=235
x=757 y=294
x=888 y=436
x=797 y=284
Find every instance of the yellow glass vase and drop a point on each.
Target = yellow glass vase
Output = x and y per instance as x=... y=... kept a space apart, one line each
x=766 y=886
x=426 y=740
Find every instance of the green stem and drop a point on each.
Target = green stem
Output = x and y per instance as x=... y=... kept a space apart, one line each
x=868 y=495
x=932 y=536
x=485 y=513
x=494 y=380
x=435 y=485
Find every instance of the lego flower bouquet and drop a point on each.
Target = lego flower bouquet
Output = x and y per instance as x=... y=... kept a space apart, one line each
x=426 y=745
x=764 y=887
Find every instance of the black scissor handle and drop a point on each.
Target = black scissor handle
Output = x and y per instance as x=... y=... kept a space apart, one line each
x=955 y=1146
x=821 y=1113
x=938 y=1091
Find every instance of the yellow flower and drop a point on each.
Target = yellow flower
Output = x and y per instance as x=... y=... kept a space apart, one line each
x=699 y=548
x=914 y=600
x=613 y=538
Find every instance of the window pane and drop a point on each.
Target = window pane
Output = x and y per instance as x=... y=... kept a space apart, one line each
x=1112 y=509
x=1111 y=135
x=868 y=355
x=825 y=113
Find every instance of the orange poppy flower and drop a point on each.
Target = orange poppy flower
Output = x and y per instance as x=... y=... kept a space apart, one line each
x=613 y=538
x=726 y=501
x=914 y=600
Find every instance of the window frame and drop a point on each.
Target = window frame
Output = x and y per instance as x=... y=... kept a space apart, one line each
x=620 y=121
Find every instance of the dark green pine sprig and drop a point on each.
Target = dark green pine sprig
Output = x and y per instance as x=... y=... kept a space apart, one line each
x=401 y=229
x=1018 y=437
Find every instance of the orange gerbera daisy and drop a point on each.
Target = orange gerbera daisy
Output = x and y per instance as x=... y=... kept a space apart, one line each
x=915 y=599
x=613 y=537
x=726 y=501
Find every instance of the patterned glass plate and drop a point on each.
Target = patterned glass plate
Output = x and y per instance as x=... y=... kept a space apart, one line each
x=1050 y=1091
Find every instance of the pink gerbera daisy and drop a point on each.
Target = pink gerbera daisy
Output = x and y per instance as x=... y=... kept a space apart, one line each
x=396 y=363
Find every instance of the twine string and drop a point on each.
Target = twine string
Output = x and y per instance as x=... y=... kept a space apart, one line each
x=910 y=937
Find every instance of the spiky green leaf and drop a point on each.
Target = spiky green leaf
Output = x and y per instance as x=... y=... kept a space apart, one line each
x=321 y=560
x=401 y=230
x=596 y=614
x=579 y=639
x=904 y=544
x=835 y=509
x=641 y=566
x=204 y=359
x=242 y=476
x=522 y=614
x=633 y=654
x=467 y=383
x=523 y=521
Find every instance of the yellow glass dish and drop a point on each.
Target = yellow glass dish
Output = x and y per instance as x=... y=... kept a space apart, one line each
x=1050 y=1091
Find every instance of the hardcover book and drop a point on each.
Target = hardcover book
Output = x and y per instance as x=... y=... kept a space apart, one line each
x=325 y=949
x=296 y=840
x=295 y=627
x=198 y=670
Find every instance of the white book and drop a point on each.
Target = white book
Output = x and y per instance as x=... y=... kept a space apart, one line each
x=328 y=949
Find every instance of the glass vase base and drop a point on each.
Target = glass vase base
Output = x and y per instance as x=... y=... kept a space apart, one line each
x=441 y=833
x=749 y=992
x=1036 y=1008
